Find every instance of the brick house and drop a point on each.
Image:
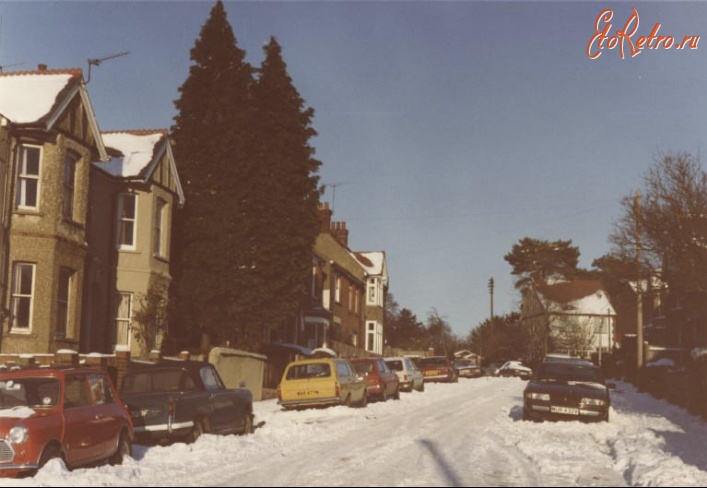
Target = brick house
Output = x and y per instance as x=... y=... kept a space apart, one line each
x=353 y=287
x=574 y=317
x=61 y=266
x=134 y=195
x=49 y=139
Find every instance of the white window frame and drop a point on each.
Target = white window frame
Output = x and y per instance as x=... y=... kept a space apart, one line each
x=23 y=177
x=160 y=237
x=69 y=185
x=125 y=220
x=372 y=293
x=127 y=321
x=337 y=288
x=64 y=303
x=17 y=296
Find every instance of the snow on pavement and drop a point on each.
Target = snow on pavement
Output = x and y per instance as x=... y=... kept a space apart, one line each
x=465 y=434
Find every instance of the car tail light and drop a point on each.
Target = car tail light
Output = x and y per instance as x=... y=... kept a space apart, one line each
x=279 y=392
x=170 y=406
x=338 y=389
x=405 y=377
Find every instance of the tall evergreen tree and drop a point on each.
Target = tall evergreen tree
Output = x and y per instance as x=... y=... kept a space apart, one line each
x=289 y=196
x=539 y=260
x=213 y=246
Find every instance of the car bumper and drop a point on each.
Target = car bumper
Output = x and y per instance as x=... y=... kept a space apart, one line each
x=312 y=402
x=533 y=411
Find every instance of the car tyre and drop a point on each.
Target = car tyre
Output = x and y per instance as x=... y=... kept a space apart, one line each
x=196 y=431
x=125 y=449
x=248 y=427
x=396 y=395
x=50 y=452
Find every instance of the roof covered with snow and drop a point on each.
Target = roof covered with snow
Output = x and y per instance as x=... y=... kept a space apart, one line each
x=132 y=151
x=577 y=297
x=27 y=97
x=373 y=262
x=41 y=97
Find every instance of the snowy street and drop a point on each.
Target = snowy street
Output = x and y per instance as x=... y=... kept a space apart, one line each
x=465 y=434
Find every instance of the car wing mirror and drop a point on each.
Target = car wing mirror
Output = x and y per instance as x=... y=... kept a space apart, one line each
x=241 y=384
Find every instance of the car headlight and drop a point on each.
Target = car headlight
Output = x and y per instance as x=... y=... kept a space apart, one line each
x=545 y=397
x=18 y=434
x=595 y=402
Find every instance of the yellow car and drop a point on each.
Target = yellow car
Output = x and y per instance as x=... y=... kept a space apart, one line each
x=321 y=382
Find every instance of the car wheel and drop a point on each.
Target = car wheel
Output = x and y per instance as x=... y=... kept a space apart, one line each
x=383 y=397
x=50 y=452
x=364 y=401
x=125 y=449
x=197 y=430
x=396 y=395
x=248 y=427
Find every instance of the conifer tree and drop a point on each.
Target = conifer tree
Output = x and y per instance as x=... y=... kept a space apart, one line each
x=212 y=240
x=289 y=195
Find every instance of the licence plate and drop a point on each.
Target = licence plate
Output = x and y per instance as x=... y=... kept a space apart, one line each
x=565 y=410
x=432 y=372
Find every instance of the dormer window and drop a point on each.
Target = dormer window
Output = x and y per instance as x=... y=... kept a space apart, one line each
x=28 y=177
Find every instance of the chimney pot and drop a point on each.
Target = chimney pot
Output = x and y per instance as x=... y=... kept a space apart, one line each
x=42 y=67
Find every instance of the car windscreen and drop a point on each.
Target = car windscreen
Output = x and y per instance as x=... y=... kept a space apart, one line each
x=395 y=365
x=464 y=363
x=306 y=371
x=568 y=372
x=29 y=392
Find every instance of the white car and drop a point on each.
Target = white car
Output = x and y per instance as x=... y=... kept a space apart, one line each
x=410 y=377
x=514 y=368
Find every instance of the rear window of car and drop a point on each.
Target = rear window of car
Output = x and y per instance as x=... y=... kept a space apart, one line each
x=363 y=367
x=568 y=372
x=395 y=365
x=305 y=371
x=158 y=381
x=434 y=362
x=29 y=392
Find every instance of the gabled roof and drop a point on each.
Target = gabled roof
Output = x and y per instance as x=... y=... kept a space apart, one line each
x=577 y=297
x=373 y=262
x=136 y=153
x=39 y=98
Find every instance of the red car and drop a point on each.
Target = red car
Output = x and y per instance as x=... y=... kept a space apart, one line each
x=72 y=413
x=381 y=382
x=438 y=368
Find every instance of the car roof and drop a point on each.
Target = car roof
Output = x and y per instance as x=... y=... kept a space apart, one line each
x=189 y=366
x=314 y=360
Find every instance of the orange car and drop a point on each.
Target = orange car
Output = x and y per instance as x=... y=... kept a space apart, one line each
x=73 y=414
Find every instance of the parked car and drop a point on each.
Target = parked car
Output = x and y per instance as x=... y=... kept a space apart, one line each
x=514 y=368
x=567 y=389
x=381 y=382
x=181 y=400
x=68 y=413
x=467 y=368
x=321 y=382
x=410 y=377
x=438 y=368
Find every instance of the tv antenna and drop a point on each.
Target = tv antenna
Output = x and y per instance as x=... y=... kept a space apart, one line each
x=333 y=193
x=98 y=61
x=3 y=66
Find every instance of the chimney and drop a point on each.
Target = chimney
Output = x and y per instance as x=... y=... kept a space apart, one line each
x=340 y=233
x=324 y=217
x=42 y=68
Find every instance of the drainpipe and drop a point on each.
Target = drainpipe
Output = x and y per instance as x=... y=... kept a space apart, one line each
x=6 y=172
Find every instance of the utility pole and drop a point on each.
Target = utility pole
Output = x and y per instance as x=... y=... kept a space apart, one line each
x=639 y=285
x=491 y=293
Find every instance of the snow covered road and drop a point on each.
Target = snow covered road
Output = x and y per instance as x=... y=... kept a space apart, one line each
x=465 y=434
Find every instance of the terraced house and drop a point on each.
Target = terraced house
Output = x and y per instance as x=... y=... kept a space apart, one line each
x=84 y=227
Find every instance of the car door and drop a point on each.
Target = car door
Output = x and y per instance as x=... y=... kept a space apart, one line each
x=82 y=433
x=107 y=421
x=219 y=398
x=346 y=381
x=388 y=378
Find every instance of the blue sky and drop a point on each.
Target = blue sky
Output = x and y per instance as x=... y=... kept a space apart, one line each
x=452 y=129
